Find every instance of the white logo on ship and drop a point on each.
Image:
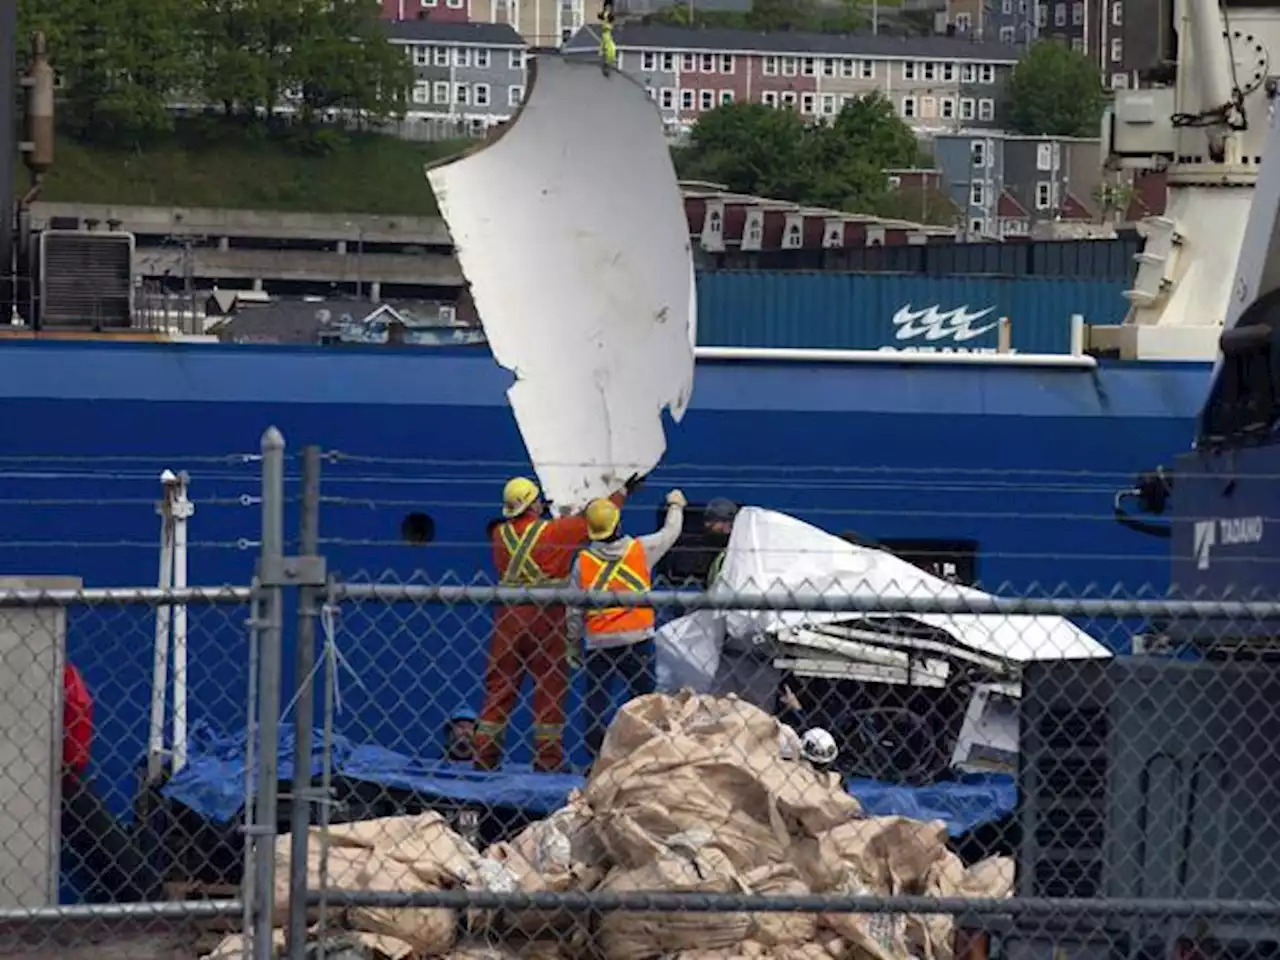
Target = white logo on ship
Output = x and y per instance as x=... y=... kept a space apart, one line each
x=934 y=324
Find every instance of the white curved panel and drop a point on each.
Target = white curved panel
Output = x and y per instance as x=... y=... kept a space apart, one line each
x=570 y=229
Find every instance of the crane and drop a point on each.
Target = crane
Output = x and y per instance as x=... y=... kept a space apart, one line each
x=1202 y=119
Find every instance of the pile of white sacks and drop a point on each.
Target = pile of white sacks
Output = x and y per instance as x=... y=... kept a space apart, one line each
x=690 y=793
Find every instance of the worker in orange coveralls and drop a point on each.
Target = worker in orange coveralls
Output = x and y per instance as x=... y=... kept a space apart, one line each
x=530 y=551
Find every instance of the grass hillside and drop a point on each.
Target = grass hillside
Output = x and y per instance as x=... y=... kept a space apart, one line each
x=248 y=168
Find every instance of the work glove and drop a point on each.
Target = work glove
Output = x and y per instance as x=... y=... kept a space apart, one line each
x=573 y=654
x=633 y=483
x=676 y=498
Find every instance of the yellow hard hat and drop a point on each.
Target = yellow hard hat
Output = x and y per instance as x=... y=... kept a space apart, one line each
x=517 y=496
x=602 y=519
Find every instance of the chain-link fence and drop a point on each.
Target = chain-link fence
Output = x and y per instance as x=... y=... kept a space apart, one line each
x=798 y=746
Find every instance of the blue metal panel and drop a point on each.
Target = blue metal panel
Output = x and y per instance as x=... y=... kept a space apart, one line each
x=862 y=312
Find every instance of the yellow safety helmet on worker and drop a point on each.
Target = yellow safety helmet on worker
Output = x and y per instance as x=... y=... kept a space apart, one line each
x=603 y=517
x=519 y=494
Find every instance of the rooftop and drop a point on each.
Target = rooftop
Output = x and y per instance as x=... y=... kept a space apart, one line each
x=440 y=31
x=726 y=40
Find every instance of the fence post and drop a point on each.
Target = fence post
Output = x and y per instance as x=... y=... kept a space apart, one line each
x=304 y=712
x=270 y=574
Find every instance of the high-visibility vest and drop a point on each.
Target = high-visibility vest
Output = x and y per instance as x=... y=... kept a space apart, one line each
x=628 y=573
x=521 y=569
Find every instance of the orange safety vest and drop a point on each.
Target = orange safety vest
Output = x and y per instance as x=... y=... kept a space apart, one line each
x=521 y=570
x=630 y=572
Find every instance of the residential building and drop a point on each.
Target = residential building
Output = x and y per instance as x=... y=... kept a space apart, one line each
x=468 y=76
x=441 y=11
x=937 y=83
x=1010 y=21
x=541 y=24
x=1005 y=183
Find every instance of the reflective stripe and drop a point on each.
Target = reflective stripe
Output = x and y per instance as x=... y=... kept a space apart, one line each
x=521 y=570
x=629 y=573
x=547 y=731
x=716 y=565
x=488 y=728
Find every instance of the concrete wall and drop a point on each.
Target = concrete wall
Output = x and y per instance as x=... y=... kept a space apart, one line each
x=268 y=224
x=32 y=644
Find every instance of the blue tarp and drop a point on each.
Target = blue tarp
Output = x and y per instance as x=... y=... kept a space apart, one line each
x=212 y=783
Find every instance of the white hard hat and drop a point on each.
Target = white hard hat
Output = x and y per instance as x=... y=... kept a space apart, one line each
x=818 y=746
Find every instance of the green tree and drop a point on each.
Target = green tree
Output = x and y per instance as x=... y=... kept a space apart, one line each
x=751 y=148
x=119 y=62
x=1055 y=90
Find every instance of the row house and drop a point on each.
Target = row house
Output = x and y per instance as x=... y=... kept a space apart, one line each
x=937 y=83
x=722 y=222
x=1004 y=184
x=540 y=23
x=470 y=76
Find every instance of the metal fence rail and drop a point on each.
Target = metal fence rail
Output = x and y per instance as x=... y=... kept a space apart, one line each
x=883 y=765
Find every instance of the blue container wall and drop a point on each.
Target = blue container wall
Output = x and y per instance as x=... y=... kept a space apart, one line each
x=1025 y=462
x=856 y=311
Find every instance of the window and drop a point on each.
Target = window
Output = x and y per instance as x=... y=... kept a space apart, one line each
x=848 y=68
x=515 y=60
x=788 y=66
x=828 y=104
x=1006 y=7
x=894 y=182
x=1007 y=34
x=769 y=98
x=1117 y=49
x=668 y=63
x=461 y=94
x=480 y=95
x=788 y=99
x=688 y=62
x=726 y=97
x=964 y=22
x=1077 y=13
x=949 y=72
x=1059 y=14
x=514 y=95
x=986 y=109
x=807 y=103
x=706 y=99
x=966 y=108
x=1044 y=195
x=968 y=73
x=987 y=73
x=868 y=69
x=809 y=66
x=930 y=70
x=421 y=56
x=440 y=92
x=977 y=194
x=1119 y=81
x=1117 y=13
x=442 y=56
x=422 y=92
x=976 y=227
x=828 y=67
x=686 y=99
x=978 y=150
x=667 y=98
x=770 y=66
x=454 y=4
x=726 y=63
x=909 y=107
x=1077 y=44
x=482 y=58
x=648 y=61
x=707 y=63
x=428 y=3
x=462 y=56
x=948 y=106
x=908 y=70
x=1042 y=14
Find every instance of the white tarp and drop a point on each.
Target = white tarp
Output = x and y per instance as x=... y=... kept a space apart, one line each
x=571 y=230
x=771 y=551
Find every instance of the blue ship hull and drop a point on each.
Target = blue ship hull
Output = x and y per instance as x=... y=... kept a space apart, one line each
x=1023 y=461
